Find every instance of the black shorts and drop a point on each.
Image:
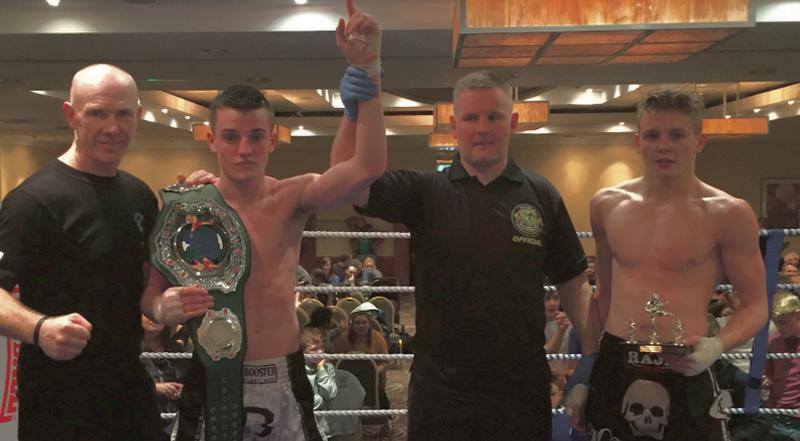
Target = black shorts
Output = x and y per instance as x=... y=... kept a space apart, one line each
x=437 y=416
x=635 y=397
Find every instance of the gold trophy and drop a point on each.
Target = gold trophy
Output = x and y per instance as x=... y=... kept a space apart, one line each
x=655 y=307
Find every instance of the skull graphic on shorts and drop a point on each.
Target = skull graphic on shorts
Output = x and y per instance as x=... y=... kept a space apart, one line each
x=646 y=408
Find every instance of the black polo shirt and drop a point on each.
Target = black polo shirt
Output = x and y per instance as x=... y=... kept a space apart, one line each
x=480 y=254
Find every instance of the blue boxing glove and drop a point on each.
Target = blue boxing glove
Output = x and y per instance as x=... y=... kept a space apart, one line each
x=578 y=392
x=356 y=86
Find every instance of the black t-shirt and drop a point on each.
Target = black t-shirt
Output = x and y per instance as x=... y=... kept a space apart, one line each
x=76 y=242
x=480 y=255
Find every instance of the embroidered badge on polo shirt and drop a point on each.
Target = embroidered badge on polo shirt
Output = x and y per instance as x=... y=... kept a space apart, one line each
x=528 y=222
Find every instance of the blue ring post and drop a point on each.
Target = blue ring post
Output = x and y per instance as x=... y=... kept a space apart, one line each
x=752 y=398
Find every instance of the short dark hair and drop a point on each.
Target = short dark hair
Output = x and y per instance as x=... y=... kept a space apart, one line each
x=240 y=97
x=671 y=100
x=321 y=317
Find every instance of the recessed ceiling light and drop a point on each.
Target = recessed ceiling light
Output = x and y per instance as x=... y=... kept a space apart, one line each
x=53 y=3
x=206 y=123
x=164 y=110
x=756 y=110
x=790 y=102
x=187 y=117
x=727 y=117
x=772 y=115
x=301 y=2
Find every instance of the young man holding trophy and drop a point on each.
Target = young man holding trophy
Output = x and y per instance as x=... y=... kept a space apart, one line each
x=663 y=241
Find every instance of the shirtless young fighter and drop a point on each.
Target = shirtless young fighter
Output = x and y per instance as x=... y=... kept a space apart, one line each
x=274 y=212
x=667 y=232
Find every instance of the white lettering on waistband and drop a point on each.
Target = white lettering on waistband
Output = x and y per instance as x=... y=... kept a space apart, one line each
x=260 y=374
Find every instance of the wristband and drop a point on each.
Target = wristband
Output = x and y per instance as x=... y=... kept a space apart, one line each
x=37 y=328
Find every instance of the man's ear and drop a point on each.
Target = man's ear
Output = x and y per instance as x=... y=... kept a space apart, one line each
x=210 y=141
x=69 y=113
x=702 y=140
x=273 y=138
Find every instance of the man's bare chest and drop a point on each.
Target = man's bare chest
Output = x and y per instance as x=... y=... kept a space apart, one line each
x=672 y=237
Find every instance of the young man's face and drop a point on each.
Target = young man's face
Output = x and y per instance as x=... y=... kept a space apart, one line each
x=668 y=143
x=482 y=124
x=242 y=142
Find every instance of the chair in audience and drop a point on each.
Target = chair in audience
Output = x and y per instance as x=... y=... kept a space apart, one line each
x=393 y=296
x=358 y=296
x=367 y=373
x=387 y=306
x=302 y=317
x=348 y=304
x=340 y=316
x=309 y=305
x=350 y=396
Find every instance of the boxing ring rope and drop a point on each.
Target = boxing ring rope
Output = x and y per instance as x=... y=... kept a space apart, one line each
x=758 y=354
x=390 y=357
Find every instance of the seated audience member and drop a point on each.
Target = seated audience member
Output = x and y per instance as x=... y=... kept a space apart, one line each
x=591 y=262
x=556 y=331
x=167 y=374
x=319 y=278
x=791 y=258
x=322 y=320
x=781 y=383
x=369 y=272
x=560 y=428
x=330 y=276
x=321 y=375
x=340 y=265
x=782 y=377
x=351 y=275
x=361 y=336
x=302 y=276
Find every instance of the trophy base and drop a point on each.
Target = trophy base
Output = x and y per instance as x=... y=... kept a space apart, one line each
x=664 y=348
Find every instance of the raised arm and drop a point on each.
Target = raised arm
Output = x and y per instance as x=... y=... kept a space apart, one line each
x=359 y=49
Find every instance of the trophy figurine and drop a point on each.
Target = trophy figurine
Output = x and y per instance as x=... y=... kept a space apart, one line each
x=655 y=307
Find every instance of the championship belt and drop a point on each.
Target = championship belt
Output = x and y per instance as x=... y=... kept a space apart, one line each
x=198 y=240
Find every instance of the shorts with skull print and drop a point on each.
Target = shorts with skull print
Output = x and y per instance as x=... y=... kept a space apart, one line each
x=636 y=397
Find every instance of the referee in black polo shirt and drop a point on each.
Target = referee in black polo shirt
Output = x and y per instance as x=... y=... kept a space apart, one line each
x=484 y=233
